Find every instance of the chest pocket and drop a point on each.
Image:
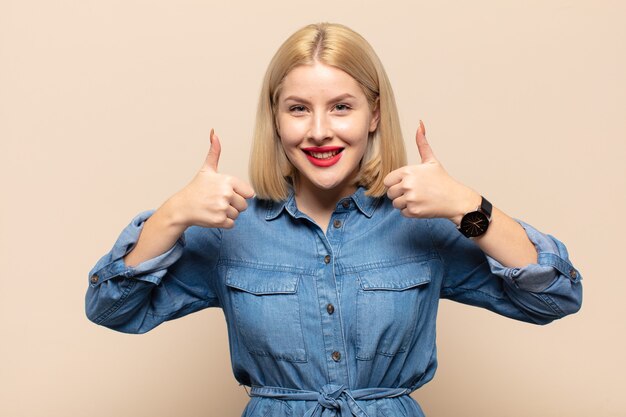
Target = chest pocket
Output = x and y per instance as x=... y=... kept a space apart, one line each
x=388 y=308
x=267 y=312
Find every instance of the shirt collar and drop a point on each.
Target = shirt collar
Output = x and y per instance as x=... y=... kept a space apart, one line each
x=364 y=203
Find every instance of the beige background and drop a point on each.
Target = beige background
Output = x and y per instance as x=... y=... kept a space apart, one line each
x=105 y=109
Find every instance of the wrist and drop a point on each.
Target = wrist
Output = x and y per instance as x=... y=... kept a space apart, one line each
x=468 y=201
x=168 y=215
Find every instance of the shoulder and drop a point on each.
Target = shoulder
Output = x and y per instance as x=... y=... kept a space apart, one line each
x=257 y=218
x=391 y=221
x=258 y=210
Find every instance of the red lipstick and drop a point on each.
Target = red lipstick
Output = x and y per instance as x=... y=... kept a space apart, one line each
x=323 y=156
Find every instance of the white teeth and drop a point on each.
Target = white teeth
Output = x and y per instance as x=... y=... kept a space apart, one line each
x=323 y=155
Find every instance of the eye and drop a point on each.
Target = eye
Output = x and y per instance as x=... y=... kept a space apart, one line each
x=342 y=107
x=297 y=109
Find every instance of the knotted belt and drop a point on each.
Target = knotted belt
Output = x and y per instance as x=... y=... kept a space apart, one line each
x=332 y=400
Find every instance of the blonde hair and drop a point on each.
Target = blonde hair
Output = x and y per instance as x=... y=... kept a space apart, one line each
x=271 y=173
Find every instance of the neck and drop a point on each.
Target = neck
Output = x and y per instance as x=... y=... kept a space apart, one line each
x=319 y=204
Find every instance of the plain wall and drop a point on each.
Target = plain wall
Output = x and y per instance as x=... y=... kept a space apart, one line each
x=105 y=111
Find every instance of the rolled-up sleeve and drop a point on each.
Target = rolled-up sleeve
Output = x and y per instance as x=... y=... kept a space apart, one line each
x=137 y=299
x=112 y=264
x=539 y=293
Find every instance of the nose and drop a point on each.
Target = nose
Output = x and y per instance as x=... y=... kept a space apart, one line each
x=320 y=129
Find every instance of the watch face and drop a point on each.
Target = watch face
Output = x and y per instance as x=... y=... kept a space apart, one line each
x=474 y=224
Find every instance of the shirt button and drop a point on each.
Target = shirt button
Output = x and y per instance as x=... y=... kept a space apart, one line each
x=573 y=273
x=337 y=224
x=345 y=203
x=336 y=356
x=327 y=259
x=94 y=279
x=330 y=308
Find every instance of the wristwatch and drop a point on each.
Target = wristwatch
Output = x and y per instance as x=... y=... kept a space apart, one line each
x=475 y=223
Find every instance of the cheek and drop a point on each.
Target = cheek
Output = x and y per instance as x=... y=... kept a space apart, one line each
x=352 y=130
x=290 y=129
x=288 y=145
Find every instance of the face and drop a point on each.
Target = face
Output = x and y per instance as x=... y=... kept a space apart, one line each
x=323 y=121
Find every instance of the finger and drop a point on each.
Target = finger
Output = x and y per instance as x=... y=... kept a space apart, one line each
x=399 y=203
x=228 y=224
x=238 y=202
x=395 y=191
x=213 y=157
x=406 y=212
x=232 y=213
x=243 y=188
x=426 y=152
x=393 y=178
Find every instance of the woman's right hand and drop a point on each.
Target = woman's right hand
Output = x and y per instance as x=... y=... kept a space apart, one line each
x=211 y=199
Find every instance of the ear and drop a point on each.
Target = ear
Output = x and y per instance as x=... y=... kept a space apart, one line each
x=375 y=116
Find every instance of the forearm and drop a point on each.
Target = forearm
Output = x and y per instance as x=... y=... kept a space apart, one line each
x=159 y=234
x=506 y=241
x=135 y=299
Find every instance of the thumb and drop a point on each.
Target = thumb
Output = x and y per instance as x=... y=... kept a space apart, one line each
x=213 y=157
x=426 y=152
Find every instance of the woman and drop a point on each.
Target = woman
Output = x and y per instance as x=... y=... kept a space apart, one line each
x=330 y=276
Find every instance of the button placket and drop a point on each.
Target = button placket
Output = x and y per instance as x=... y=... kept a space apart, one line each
x=327 y=291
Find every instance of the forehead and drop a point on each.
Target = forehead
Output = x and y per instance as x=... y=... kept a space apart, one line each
x=319 y=79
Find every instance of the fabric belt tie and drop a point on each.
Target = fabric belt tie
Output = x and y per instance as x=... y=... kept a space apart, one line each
x=332 y=400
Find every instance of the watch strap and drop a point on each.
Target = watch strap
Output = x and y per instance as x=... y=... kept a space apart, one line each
x=485 y=207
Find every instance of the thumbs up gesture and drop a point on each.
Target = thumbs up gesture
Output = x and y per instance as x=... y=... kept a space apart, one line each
x=426 y=190
x=211 y=199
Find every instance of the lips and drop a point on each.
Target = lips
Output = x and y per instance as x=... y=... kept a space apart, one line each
x=323 y=156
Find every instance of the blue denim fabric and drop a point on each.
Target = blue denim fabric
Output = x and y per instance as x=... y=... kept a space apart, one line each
x=276 y=273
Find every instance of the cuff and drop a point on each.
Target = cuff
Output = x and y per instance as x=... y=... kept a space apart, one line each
x=552 y=263
x=112 y=264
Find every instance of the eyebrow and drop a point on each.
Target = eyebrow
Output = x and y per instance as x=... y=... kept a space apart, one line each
x=303 y=100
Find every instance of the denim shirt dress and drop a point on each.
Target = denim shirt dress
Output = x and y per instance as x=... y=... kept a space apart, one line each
x=320 y=324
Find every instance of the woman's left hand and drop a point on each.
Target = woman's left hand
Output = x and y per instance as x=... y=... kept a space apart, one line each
x=426 y=190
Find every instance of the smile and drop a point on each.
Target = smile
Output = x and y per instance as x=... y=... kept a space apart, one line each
x=323 y=156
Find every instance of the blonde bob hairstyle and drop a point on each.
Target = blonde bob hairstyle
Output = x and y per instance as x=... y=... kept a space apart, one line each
x=271 y=173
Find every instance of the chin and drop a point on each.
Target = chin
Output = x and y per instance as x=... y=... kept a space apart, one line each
x=331 y=185
x=326 y=186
